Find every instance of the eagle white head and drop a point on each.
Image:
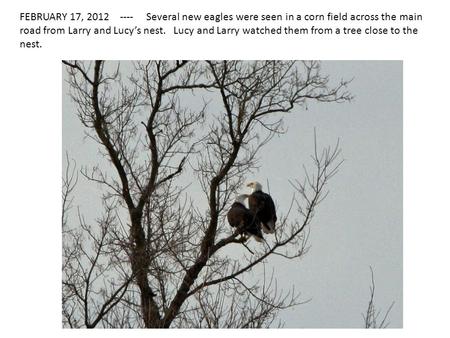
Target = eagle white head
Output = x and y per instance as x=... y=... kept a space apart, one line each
x=256 y=186
x=241 y=199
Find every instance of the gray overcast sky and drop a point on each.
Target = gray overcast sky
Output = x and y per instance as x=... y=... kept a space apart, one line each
x=357 y=226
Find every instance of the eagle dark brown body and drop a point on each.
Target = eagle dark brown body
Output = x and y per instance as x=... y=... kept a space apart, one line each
x=240 y=217
x=262 y=205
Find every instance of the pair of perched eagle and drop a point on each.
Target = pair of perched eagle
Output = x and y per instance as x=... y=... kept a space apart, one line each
x=260 y=213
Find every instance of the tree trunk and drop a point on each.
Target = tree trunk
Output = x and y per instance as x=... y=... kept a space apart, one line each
x=140 y=262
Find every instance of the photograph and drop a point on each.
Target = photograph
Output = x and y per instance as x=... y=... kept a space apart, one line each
x=232 y=194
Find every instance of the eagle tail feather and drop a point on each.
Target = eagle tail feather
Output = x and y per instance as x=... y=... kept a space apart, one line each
x=257 y=238
x=270 y=226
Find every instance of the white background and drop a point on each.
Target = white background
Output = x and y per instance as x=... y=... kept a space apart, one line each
x=31 y=156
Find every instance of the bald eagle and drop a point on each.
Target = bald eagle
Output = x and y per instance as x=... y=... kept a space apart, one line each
x=240 y=216
x=262 y=205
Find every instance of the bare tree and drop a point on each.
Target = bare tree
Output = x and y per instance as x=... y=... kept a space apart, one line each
x=155 y=257
x=372 y=315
